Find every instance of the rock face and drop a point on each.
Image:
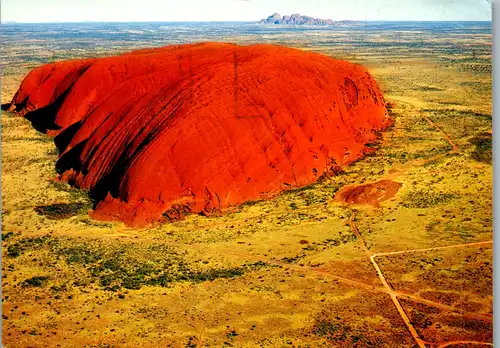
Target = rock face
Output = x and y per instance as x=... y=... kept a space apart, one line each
x=295 y=19
x=159 y=133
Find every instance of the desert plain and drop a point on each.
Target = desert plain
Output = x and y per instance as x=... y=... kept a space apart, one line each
x=312 y=267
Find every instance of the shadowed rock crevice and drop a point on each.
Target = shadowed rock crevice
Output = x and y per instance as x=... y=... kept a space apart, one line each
x=43 y=119
x=63 y=139
x=8 y=107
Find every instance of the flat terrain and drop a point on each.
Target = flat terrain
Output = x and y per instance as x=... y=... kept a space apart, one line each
x=304 y=269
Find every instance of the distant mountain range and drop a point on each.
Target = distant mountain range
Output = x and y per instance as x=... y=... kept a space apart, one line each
x=295 y=19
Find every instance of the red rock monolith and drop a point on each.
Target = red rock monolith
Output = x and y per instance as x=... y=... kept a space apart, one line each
x=198 y=128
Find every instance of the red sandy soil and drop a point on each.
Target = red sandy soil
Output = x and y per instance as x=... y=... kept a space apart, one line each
x=372 y=193
x=202 y=127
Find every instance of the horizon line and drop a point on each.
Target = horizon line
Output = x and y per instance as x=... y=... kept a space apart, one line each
x=253 y=22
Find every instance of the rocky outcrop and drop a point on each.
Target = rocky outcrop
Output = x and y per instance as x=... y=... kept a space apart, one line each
x=295 y=19
x=160 y=133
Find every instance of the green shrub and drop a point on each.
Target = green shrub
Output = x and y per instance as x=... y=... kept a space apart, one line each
x=426 y=198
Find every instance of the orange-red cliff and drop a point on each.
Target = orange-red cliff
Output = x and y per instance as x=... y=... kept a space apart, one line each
x=201 y=127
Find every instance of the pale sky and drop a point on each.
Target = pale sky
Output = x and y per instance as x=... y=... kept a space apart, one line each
x=240 y=10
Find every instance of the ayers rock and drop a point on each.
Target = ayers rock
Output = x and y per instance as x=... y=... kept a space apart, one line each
x=197 y=128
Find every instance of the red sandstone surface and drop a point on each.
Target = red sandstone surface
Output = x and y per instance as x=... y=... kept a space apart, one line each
x=201 y=127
